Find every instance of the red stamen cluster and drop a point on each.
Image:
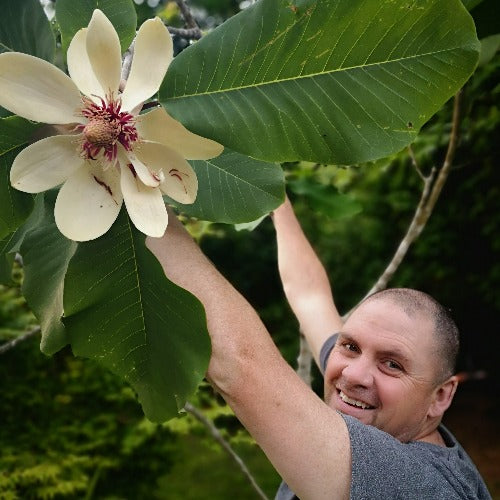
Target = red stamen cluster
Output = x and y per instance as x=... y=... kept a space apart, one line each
x=106 y=125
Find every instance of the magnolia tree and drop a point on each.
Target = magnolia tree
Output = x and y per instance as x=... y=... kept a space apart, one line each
x=88 y=161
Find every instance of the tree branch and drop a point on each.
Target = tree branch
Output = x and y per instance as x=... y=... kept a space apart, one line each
x=225 y=445
x=186 y=14
x=304 y=361
x=193 y=31
x=13 y=343
x=430 y=193
x=428 y=199
x=188 y=34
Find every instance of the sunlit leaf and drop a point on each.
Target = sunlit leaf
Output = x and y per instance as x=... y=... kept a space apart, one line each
x=122 y=311
x=72 y=16
x=331 y=81
x=235 y=188
x=24 y=27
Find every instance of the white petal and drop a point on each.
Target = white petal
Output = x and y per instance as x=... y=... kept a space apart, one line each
x=104 y=52
x=80 y=69
x=144 y=204
x=45 y=164
x=147 y=177
x=159 y=126
x=180 y=181
x=88 y=203
x=37 y=90
x=153 y=53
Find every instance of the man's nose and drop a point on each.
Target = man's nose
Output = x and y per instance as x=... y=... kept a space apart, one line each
x=359 y=372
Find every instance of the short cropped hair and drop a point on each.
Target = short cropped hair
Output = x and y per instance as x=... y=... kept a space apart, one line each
x=445 y=330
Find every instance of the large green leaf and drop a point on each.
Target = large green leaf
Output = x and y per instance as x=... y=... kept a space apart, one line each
x=72 y=16
x=15 y=206
x=121 y=310
x=331 y=81
x=24 y=27
x=235 y=188
x=46 y=254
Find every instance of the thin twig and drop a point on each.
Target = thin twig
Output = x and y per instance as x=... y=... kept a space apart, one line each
x=14 y=342
x=414 y=162
x=225 y=445
x=188 y=34
x=127 y=61
x=186 y=14
x=450 y=154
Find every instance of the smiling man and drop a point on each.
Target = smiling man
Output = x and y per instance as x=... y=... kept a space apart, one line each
x=388 y=369
x=388 y=379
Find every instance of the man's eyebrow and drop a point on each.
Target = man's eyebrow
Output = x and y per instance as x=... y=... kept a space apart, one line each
x=392 y=352
x=345 y=336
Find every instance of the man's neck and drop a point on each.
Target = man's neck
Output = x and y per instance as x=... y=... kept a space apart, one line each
x=433 y=437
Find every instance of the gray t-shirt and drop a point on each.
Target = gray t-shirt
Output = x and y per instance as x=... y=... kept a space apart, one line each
x=385 y=468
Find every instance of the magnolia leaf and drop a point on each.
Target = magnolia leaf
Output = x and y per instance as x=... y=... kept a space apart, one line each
x=234 y=188
x=122 y=311
x=24 y=27
x=249 y=226
x=15 y=206
x=46 y=253
x=72 y=16
x=330 y=81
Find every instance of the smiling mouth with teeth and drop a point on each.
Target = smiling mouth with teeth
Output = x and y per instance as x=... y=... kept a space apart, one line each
x=354 y=402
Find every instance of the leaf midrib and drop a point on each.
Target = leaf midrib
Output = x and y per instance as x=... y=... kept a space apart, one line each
x=313 y=75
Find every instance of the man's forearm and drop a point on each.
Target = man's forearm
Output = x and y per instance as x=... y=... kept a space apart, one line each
x=305 y=281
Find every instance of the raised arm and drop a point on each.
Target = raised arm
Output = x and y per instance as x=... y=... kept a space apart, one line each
x=305 y=281
x=306 y=441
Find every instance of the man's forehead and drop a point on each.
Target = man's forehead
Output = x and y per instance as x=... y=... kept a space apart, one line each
x=388 y=319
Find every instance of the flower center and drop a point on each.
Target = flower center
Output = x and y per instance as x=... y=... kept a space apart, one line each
x=101 y=133
x=106 y=126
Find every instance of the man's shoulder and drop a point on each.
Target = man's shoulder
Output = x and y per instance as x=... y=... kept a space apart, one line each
x=383 y=467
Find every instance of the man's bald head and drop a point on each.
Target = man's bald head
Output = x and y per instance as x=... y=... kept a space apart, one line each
x=415 y=303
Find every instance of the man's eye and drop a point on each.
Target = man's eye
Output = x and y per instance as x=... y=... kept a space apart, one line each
x=351 y=347
x=393 y=365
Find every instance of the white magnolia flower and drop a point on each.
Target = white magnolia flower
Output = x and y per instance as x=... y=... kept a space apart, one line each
x=113 y=154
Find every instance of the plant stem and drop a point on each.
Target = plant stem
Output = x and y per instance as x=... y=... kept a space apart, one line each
x=225 y=445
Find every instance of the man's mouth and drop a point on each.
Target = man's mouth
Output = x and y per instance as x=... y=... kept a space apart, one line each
x=354 y=402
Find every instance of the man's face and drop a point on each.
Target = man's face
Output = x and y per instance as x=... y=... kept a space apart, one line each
x=382 y=369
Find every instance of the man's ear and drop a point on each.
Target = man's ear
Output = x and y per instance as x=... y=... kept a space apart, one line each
x=443 y=396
